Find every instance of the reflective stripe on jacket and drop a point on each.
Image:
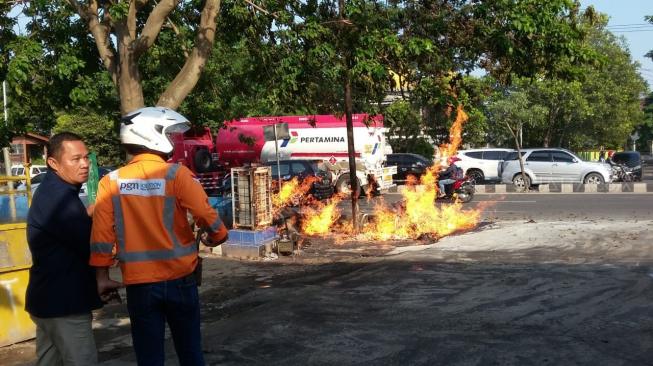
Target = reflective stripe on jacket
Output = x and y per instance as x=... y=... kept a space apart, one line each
x=140 y=219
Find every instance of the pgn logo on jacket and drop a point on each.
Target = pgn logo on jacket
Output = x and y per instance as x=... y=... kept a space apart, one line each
x=142 y=187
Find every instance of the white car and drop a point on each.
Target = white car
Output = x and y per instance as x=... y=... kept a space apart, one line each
x=482 y=164
x=553 y=165
x=33 y=171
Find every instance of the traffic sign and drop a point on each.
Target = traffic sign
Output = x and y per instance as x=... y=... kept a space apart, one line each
x=634 y=136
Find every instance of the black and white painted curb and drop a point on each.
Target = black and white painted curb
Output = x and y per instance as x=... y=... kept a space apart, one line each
x=561 y=188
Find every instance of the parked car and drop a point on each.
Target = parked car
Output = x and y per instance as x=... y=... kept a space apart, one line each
x=19 y=169
x=35 y=181
x=482 y=165
x=34 y=169
x=321 y=189
x=631 y=159
x=553 y=165
x=407 y=164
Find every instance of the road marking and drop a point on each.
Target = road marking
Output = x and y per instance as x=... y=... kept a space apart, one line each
x=501 y=211
x=498 y=201
x=518 y=201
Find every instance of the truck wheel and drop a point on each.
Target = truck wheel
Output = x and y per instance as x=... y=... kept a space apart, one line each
x=202 y=160
x=343 y=186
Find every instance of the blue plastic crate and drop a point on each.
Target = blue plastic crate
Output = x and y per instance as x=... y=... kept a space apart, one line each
x=252 y=237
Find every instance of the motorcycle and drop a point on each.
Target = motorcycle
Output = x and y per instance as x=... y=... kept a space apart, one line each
x=462 y=190
x=622 y=173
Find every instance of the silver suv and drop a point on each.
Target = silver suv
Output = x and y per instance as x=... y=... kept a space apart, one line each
x=552 y=165
x=482 y=164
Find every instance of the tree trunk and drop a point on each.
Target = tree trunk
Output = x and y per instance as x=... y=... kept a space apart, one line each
x=521 y=161
x=551 y=126
x=352 y=153
x=122 y=61
x=351 y=150
x=129 y=76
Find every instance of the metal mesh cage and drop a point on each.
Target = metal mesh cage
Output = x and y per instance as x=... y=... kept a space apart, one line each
x=251 y=197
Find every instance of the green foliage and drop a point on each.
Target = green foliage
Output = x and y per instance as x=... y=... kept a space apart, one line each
x=294 y=60
x=645 y=129
x=405 y=130
x=531 y=38
x=100 y=134
x=53 y=69
x=602 y=107
x=511 y=113
x=6 y=37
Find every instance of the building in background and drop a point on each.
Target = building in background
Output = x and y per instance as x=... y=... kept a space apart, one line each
x=28 y=147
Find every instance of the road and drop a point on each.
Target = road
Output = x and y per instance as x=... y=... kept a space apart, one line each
x=572 y=287
x=548 y=207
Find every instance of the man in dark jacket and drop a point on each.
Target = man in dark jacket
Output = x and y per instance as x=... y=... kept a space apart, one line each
x=448 y=176
x=62 y=290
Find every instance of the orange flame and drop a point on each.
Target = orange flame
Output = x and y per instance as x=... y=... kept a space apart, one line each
x=286 y=193
x=416 y=216
x=321 y=218
x=292 y=191
x=455 y=134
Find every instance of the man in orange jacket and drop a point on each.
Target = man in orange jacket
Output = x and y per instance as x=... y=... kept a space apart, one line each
x=140 y=220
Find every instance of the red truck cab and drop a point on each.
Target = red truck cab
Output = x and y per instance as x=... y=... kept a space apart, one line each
x=196 y=150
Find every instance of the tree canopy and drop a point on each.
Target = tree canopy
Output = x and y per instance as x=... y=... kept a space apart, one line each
x=236 y=58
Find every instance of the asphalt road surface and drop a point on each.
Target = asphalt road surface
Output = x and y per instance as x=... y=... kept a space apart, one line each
x=574 y=286
x=552 y=206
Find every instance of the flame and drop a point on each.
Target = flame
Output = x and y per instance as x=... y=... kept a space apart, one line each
x=417 y=215
x=320 y=218
x=292 y=191
x=455 y=134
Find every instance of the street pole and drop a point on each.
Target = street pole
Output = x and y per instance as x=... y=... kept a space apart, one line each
x=5 y=150
x=7 y=159
x=276 y=148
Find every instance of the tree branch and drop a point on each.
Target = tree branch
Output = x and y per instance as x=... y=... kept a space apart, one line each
x=153 y=25
x=176 y=31
x=260 y=9
x=187 y=78
x=131 y=20
x=101 y=34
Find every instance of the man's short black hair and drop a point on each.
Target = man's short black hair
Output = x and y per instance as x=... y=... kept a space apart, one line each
x=55 y=145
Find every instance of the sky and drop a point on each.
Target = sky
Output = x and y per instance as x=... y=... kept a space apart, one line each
x=627 y=20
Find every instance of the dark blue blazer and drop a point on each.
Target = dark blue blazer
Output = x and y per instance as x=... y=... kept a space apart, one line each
x=58 y=233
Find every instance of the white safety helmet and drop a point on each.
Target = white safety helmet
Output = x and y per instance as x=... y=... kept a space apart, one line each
x=149 y=127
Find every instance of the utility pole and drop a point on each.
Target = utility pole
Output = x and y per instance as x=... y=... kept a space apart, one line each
x=5 y=150
x=5 y=153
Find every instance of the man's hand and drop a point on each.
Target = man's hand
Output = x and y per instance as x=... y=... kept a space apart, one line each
x=90 y=209
x=210 y=242
x=105 y=285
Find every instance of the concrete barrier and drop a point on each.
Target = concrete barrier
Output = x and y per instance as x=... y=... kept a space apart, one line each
x=561 y=188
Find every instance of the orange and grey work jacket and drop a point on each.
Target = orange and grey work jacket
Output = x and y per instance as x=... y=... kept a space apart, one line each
x=140 y=219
